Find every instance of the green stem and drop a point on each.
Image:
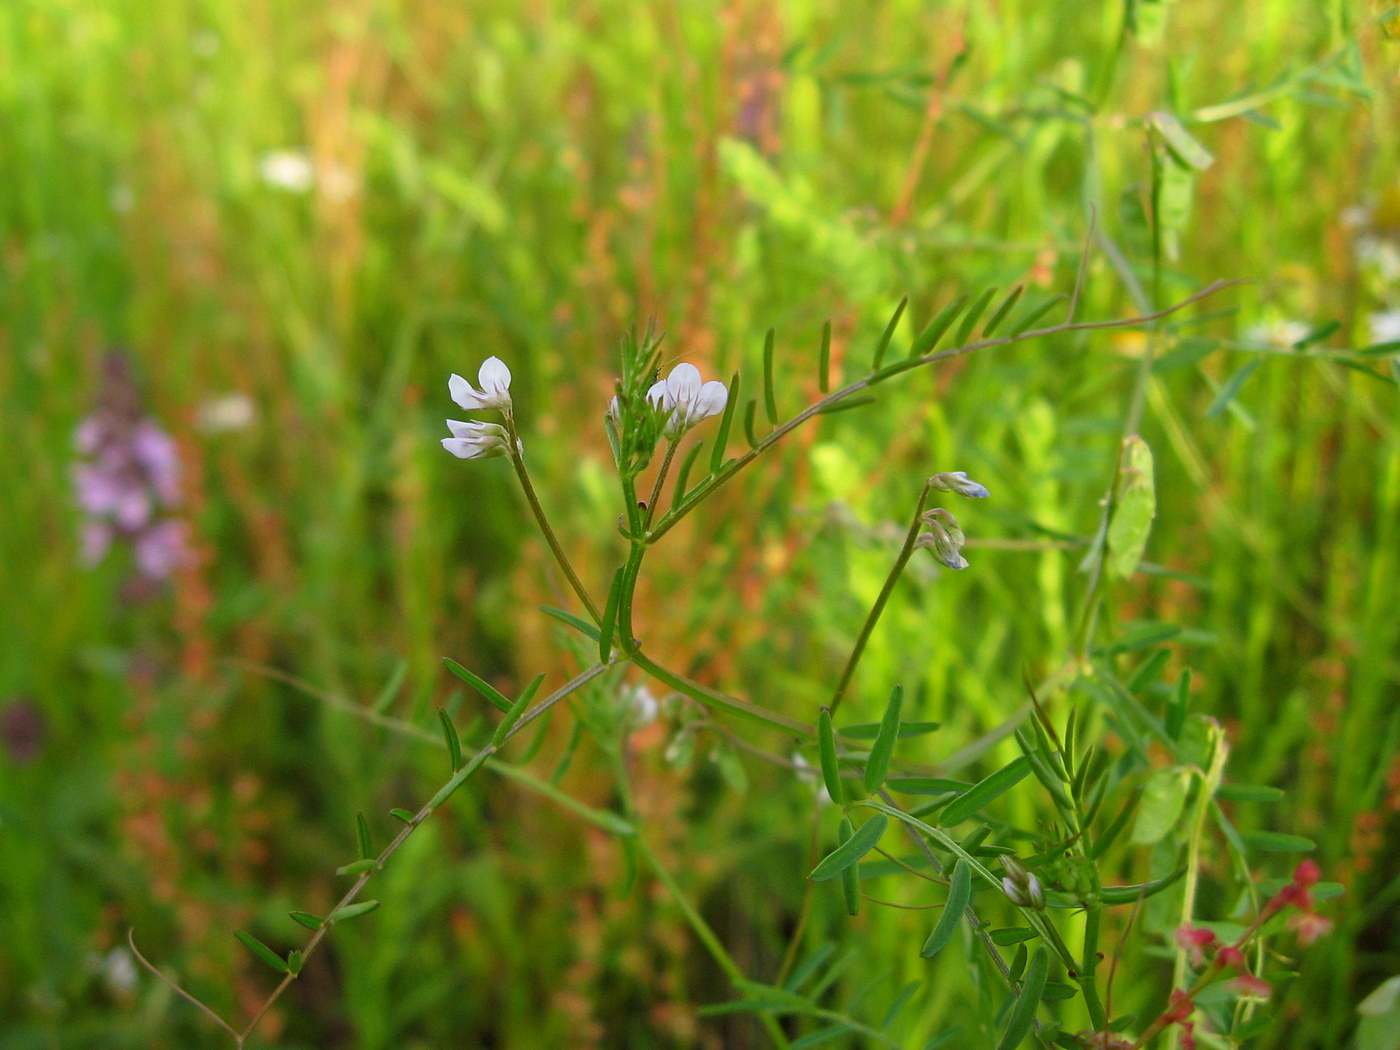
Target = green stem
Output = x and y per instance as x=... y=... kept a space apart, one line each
x=1088 y=977
x=518 y=462
x=707 y=936
x=713 y=697
x=879 y=607
x=660 y=480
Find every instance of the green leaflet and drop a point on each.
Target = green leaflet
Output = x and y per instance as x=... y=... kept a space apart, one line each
x=984 y=791
x=826 y=747
x=850 y=878
x=1134 y=507
x=1023 y=1013
x=262 y=951
x=959 y=893
x=850 y=851
x=878 y=764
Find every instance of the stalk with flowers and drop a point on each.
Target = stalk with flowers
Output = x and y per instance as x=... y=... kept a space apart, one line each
x=1032 y=906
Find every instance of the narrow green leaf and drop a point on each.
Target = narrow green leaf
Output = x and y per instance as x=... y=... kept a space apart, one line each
x=1018 y=964
x=810 y=965
x=391 y=688
x=1142 y=637
x=850 y=878
x=750 y=417
x=1128 y=894
x=1277 y=842
x=262 y=951
x=1147 y=672
x=294 y=961
x=306 y=919
x=678 y=491
x=1025 y=324
x=846 y=405
x=1018 y=1025
x=821 y=1036
x=1250 y=793
x=609 y=624
x=969 y=321
x=846 y=854
x=1231 y=388
x=350 y=911
x=1013 y=935
x=878 y=764
x=454 y=745
x=826 y=748
x=887 y=335
x=870 y=730
x=357 y=867
x=1180 y=141
x=402 y=814
x=824 y=360
x=725 y=422
x=959 y=893
x=578 y=623
x=928 y=338
x=482 y=686
x=984 y=791
x=362 y=829
x=1110 y=833
x=1317 y=335
x=1002 y=310
x=516 y=710
x=1056 y=992
x=770 y=402
x=925 y=785
x=1134 y=507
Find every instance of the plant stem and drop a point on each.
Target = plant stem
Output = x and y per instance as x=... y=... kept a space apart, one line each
x=707 y=937
x=518 y=462
x=705 y=695
x=660 y=480
x=875 y=610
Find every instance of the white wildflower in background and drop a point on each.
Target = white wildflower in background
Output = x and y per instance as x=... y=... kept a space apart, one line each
x=287 y=169
x=221 y=415
x=1385 y=326
x=473 y=440
x=1282 y=334
x=958 y=482
x=642 y=707
x=686 y=399
x=494 y=378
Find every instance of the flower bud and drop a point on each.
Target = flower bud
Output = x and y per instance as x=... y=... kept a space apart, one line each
x=958 y=482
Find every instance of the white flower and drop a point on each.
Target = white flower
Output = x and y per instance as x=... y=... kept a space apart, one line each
x=944 y=547
x=682 y=394
x=494 y=378
x=1385 y=327
x=227 y=413
x=287 y=169
x=473 y=440
x=958 y=482
x=1282 y=334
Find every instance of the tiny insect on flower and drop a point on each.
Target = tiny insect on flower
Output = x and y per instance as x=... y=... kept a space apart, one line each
x=687 y=399
x=494 y=378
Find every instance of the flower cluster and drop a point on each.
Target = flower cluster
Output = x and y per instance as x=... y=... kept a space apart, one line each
x=470 y=439
x=686 y=400
x=1021 y=886
x=944 y=537
x=127 y=474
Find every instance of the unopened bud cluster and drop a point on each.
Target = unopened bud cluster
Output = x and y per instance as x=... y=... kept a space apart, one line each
x=1021 y=886
x=944 y=537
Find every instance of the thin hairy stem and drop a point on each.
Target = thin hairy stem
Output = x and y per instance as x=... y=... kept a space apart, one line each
x=660 y=481
x=705 y=488
x=884 y=596
x=131 y=942
x=705 y=695
x=707 y=936
x=518 y=462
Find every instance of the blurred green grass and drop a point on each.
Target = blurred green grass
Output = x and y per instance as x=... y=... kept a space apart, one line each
x=528 y=180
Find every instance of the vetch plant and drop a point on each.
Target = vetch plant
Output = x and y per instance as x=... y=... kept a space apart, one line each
x=1115 y=773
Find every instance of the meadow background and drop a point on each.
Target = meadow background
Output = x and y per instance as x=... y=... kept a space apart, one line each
x=314 y=213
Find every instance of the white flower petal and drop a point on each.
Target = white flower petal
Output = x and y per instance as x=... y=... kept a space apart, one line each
x=494 y=377
x=683 y=383
x=710 y=401
x=660 y=396
x=465 y=394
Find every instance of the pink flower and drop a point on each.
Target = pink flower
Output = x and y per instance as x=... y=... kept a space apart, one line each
x=1254 y=987
x=1194 y=941
x=1309 y=926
